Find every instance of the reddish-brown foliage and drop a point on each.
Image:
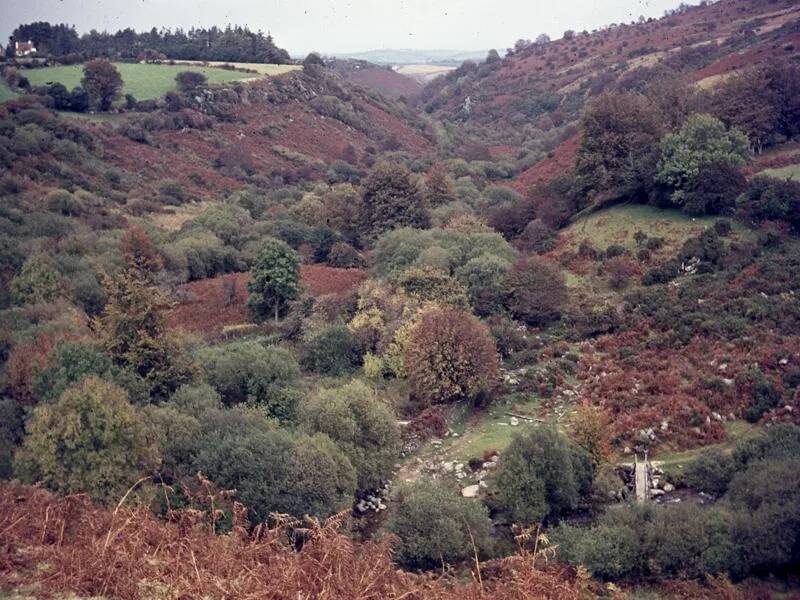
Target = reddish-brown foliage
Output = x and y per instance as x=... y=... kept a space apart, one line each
x=560 y=162
x=646 y=385
x=210 y=305
x=26 y=360
x=58 y=545
x=450 y=356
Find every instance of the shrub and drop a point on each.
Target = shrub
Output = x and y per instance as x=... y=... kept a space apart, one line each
x=538 y=291
x=542 y=476
x=430 y=284
x=277 y=471
x=90 y=440
x=620 y=270
x=765 y=529
x=246 y=370
x=188 y=81
x=363 y=427
x=334 y=351
x=701 y=144
x=38 y=281
x=344 y=256
x=450 y=356
x=12 y=431
x=436 y=526
x=69 y=364
x=536 y=237
x=711 y=472
x=770 y=199
x=391 y=199
x=63 y=202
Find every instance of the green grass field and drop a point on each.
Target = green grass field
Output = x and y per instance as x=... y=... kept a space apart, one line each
x=145 y=82
x=5 y=91
x=791 y=172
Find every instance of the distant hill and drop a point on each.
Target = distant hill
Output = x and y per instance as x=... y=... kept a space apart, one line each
x=413 y=57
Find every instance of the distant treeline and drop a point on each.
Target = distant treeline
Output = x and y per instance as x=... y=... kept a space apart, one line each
x=232 y=44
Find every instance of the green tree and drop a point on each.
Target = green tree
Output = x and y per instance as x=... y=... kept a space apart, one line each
x=485 y=279
x=333 y=351
x=274 y=279
x=189 y=81
x=391 y=198
x=619 y=145
x=102 y=81
x=363 y=426
x=246 y=370
x=277 y=471
x=702 y=142
x=69 y=364
x=542 y=475
x=38 y=281
x=436 y=526
x=133 y=327
x=90 y=440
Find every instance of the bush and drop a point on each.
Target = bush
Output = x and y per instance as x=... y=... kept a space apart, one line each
x=436 y=526
x=769 y=199
x=363 y=427
x=90 y=440
x=542 y=476
x=188 y=81
x=711 y=472
x=538 y=291
x=450 y=356
x=277 y=471
x=430 y=284
x=69 y=364
x=334 y=351
x=246 y=370
x=12 y=431
x=391 y=199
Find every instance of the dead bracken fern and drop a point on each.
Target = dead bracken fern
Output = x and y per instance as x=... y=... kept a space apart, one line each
x=69 y=545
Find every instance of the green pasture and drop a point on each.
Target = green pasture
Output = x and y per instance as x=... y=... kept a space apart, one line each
x=144 y=81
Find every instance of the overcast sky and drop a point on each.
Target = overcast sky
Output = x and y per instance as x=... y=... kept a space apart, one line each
x=332 y=26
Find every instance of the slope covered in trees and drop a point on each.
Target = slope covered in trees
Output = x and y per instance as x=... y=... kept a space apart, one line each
x=291 y=337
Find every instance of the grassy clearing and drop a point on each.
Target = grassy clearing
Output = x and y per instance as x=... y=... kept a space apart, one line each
x=676 y=462
x=145 y=82
x=789 y=172
x=5 y=91
x=618 y=224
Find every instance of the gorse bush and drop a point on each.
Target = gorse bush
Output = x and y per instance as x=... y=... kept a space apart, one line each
x=89 y=440
x=361 y=425
x=542 y=475
x=436 y=526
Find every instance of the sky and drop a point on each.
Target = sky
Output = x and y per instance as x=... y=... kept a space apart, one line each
x=331 y=26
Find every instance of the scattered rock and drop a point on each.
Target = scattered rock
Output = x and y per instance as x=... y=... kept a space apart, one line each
x=471 y=491
x=668 y=487
x=514 y=421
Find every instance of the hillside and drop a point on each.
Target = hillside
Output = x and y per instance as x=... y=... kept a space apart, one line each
x=541 y=89
x=271 y=129
x=316 y=330
x=384 y=80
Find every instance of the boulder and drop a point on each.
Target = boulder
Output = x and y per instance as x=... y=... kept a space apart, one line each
x=471 y=491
